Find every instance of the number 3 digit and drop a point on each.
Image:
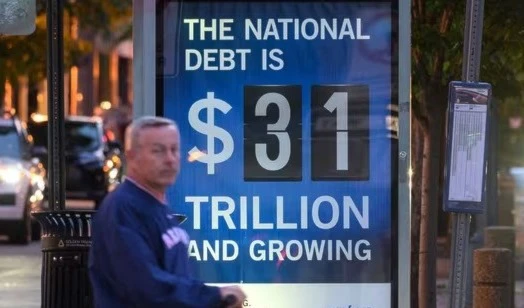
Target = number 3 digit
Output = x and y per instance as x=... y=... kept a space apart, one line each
x=278 y=129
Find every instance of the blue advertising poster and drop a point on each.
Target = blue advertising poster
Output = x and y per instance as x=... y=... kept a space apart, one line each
x=287 y=119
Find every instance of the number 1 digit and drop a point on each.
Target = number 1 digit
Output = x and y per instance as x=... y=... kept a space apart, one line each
x=338 y=102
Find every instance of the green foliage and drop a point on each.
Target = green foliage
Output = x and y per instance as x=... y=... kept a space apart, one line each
x=102 y=15
x=438 y=53
x=437 y=58
x=26 y=55
x=438 y=36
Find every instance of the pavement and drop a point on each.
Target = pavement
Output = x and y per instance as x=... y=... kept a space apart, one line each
x=20 y=268
x=443 y=294
x=443 y=283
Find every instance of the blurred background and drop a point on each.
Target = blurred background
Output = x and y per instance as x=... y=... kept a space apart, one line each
x=98 y=55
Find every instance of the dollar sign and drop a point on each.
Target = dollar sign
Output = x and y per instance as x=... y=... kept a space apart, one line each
x=211 y=131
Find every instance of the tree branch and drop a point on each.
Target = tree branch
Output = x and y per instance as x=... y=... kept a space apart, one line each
x=420 y=113
x=444 y=25
x=418 y=11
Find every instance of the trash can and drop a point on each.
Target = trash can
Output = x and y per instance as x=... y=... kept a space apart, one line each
x=66 y=240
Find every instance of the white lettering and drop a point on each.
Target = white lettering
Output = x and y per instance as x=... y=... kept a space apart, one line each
x=346 y=29
x=280 y=216
x=211 y=250
x=271 y=30
x=307 y=29
x=314 y=250
x=313 y=25
x=276 y=248
x=256 y=216
x=257 y=255
x=303 y=212
x=324 y=213
x=334 y=212
x=215 y=59
x=296 y=253
x=226 y=256
x=276 y=56
x=243 y=212
x=363 y=254
x=193 y=54
x=193 y=251
x=196 y=200
x=224 y=213
x=217 y=250
x=251 y=29
x=191 y=23
x=225 y=28
x=359 y=31
x=362 y=217
x=222 y=29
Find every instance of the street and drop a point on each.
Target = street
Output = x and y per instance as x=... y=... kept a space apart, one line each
x=20 y=270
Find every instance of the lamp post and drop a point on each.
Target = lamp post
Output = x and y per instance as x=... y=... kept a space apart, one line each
x=66 y=235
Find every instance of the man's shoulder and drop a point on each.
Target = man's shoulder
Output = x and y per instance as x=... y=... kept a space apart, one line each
x=118 y=203
x=125 y=193
x=116 y=200
x=124 y=203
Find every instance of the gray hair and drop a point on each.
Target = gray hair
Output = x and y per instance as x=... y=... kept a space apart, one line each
x=141 y=123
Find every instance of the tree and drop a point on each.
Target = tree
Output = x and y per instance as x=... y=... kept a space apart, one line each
x=25 y=55
x=437 y=49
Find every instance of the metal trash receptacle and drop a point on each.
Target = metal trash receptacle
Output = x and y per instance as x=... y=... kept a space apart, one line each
x=66 y=240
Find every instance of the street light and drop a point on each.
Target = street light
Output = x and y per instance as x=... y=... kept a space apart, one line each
x=66 y=235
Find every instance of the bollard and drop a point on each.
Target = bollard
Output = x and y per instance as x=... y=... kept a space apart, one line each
x=66 y=239
x=490 y=278
x=503 y=237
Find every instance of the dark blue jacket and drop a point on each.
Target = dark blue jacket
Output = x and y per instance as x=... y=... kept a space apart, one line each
x=139 y=255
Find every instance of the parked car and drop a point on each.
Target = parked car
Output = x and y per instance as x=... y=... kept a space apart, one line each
x=22 y=181
x=93 y=164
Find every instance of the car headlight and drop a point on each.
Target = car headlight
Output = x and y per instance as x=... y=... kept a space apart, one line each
x=10 y=175
x=38 y=181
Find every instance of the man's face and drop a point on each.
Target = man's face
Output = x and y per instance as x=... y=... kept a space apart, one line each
x=156 y=156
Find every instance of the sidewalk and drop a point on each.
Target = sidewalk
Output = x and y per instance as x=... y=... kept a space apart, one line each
x=443 y=286
x=443 y=293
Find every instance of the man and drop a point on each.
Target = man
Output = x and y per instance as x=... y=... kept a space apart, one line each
x=139 y=255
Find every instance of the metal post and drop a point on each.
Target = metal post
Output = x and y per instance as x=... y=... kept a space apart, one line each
x=144 y=42
x=55 y=104
x=66 y=235
x=461 y=269
x=473 y=40
x=404 y=142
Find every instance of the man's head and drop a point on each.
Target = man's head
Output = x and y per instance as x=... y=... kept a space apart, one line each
x=152 y=146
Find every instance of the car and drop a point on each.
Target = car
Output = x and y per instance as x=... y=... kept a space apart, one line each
x=22 y=181
x=93 y=164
